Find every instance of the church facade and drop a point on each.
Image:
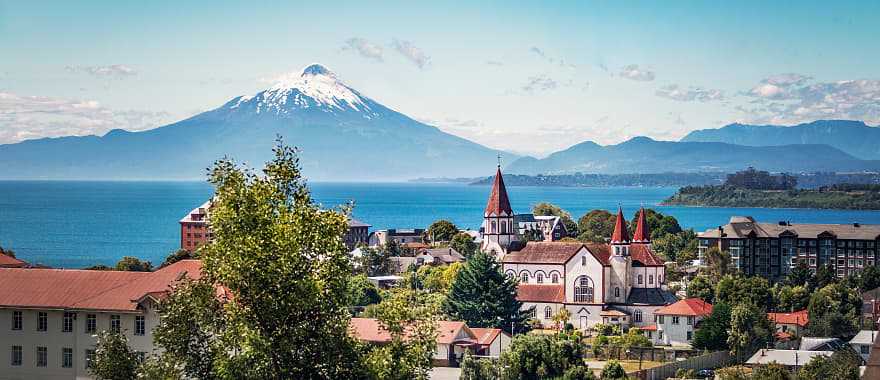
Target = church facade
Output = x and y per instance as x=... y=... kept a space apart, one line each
x=620 y=282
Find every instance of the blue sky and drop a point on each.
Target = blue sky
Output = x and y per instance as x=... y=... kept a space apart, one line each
x=523 y=76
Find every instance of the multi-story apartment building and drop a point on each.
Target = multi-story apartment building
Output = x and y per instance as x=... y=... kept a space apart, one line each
x=770 y=250
x=49 y=318
x=195 y=230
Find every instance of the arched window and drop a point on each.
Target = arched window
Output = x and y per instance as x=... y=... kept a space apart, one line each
x=511 y=274
x=617 y=292
x=637 y=316
x=583 y=289
x=494 y=227
x=503 y=226
x=524 y=277
x=554 y=278
x=640 y=279
x=548 y=312
x=539 y=278
x=651 y=279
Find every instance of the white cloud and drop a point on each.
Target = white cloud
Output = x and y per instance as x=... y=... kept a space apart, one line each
x=411 y=52
x=675 y=92
x=28 y=117
x=635 y=73
x=111 y=71
x=791 y=99
x=364 y=48
x=540 y=83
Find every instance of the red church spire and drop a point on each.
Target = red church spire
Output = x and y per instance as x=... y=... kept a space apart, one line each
x=642 y=234
x=498 y=202
x=620 y=235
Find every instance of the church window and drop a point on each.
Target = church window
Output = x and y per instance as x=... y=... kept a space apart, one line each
x=494 y=227
x=548 y=312
x=539 y=278
x=651 y=279
x=583 y=289
x=640 y=279
x=617 y=292
x=583 y=260
x=637 y=316
x=554 y=278
x=524 y=278
x=511 y=274
x=503 y=226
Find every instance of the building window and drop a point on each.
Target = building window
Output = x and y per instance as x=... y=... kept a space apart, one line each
x=115 y=324
x=503 y=226
x=493 y=229
x=16 y=320
x=691 y=321
x=67 y=324
x=674 y=319
x=91 y=323
x=66 y=357
x=660 y=335
x=139 y=325
x=42 y=356
x=539 y=278
x=659 y=319
x=16 y=356
x=583 y=260
x=637 y=316
x=524 y=278
x=617 y=292
x=90 y=359
x=865 y=349
x=554 y=278
x=42 y=321
x=690 y=335
x=650 y=279
x=583 y=289
x=659 y=278
x=548 y=312
x=640 y=279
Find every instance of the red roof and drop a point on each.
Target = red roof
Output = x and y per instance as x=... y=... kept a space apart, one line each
x=370 y=330
x=782 y=336
x=544 y=252
x=642 y=234
x=641 y=253
x=620 y=235
x=540 y=293
x=800 y=318
x=498 y=201
x=485 y=336
x=689 y=307
x=11 y=262
x=648 y=328
x=88 y=289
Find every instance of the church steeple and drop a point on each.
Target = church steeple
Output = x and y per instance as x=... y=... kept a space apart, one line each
x=498 y=203
x=620 y=235
x=499 y=227
x=643 y=233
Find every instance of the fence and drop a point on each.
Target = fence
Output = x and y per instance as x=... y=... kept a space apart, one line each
x=710 y=360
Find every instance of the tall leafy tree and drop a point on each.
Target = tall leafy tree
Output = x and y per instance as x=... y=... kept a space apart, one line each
x=787 y=298
x=596 y=226
x=800 y=275
x=712 y=334
x=749 y=330
x=482 y=296
x=133 y=264
x=441 y=230
x=718 y=262
x=824 y=276
x=702 y=286
x=114 y=359
x=734 y=290
x=413 y=331
x=834 y=311
x=549 y=209
x=464 y=244
x=660 y=225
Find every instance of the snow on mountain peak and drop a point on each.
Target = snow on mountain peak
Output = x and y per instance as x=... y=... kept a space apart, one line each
x=314 y=86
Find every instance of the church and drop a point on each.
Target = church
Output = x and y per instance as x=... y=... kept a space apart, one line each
x=619 y=282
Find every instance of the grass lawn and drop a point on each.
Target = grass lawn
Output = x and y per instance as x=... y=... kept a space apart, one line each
x=628 y=365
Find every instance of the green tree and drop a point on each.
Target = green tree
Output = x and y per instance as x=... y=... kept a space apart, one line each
x=789 y=298
x=843 y=364
x=660 y=225
x=596 y=226
x=133 y=264
x=438 y=278
x=800 y=275
x=772 y=371
x=824 y=276
x=679 y=247
x=377 y=261
x=834 y=311
x=362 y=292
x=613 y=371
x=540 y=357
x=718 y=262
x=482 y=296
x=549 y=209
x=180 y=254
x=114 y=359
x=749 y=330
x=464 y=244
x=734 y=290
x=579 y=373
x=439 y=231
x=869 y=278
x=712 y=334
x=702 y=287
x=283 y=260
x=413 y=331
x=478 y=369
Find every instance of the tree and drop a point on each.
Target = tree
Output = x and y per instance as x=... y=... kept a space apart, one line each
x=549 y=209
x=772 y=371
x=800 y=275
x=789 y=298
x=824 y=276
x=478 y=369
x=717 y=262
x=679 y=247
x=540 y=357
x=413 y=331
x=596 y=226
x=283 y=261
x=712 y=334
x=180 y=254
x=749 y=330
x=613 y=371
x=869 y=278
x=734 y=290
x=114 y=359
x=377 y=261
x=834 y=311
x=133 y=264
x=702 y=287
x=362 y=292
x=441 y=230
x=438 y=279
x=464 y=244
x=99 y=267
x=843 y=364
x=482 y=296
x=660 y=225
x=560 y=318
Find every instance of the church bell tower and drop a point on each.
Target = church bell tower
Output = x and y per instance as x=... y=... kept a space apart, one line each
x=499 y=229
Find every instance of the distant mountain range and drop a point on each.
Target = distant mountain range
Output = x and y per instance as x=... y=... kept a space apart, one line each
x=343 y=135
x=853 y=137
x=644 y=155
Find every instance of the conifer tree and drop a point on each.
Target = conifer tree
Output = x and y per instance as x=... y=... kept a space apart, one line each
x=482 y=296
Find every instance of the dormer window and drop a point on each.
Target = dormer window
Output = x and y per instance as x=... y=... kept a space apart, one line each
x=583 y=260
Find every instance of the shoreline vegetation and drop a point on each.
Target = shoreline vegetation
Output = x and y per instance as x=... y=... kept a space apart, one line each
x=842 y=197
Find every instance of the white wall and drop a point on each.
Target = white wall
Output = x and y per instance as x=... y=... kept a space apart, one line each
x=676 y=335
x=575 y=268
x=533 y=269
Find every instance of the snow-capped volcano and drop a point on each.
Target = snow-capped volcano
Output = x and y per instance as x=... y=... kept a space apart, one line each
x=315 y=86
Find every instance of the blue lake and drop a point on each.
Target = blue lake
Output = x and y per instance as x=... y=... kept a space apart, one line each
x=77 y=224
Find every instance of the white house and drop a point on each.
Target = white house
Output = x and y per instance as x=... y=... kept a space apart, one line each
x=49 y=318
x=862 y=343
x=621 y=282
x=675 y=324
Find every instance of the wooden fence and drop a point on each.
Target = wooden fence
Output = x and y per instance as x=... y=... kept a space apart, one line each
x=711 y=360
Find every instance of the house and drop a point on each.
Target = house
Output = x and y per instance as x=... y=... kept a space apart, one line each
x=49 y=318
x=11 y=262
x=358 y=233
x=871 y=305
x=540 y=227
x=821 y=344
x=453 y=339
x=620 y=282
x=676 y=323
x=400 y=236
x=862 y=343
x=791 y=359
x=441 y=256
x=789 y=325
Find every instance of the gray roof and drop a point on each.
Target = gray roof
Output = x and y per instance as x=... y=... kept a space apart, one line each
x=785 y=357
x=352 y=222
x=650 y=296
x=742 y=226
x=524 y=218
x=864 y=337
x=446 y=255
x=812 y=344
